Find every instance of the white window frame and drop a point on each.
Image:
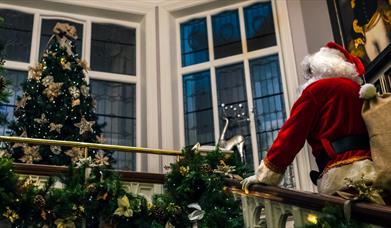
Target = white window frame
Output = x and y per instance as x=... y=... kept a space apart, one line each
x=86 y=21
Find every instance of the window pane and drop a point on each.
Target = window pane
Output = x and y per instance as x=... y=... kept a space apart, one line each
x=47 y=32
x=194 y=42
x=16 y=79
x=197 y=98
x=231 y=90
x=269 y=107
x=116 y=106
x=15 y=34
x=259 y=26
x=226 y=34
x=113 y=49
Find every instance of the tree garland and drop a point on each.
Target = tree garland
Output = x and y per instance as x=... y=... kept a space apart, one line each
x=194 y=193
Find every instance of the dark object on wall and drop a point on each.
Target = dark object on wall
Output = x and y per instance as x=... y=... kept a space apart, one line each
x=364 y=28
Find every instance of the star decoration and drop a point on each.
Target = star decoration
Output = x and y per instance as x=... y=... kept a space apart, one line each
x=100 y=158
x=84 y=125
x=65 y=28
x=75 y=154
x=85 y=90
x=31 y=154
x=55 y=149
x=41 y=120
x=55 y=127
x=53 y=90
x=75 y=92
x=75 y=102
x=35 y=73
x=66 y=66
x=46 y=81
x=22 y=102
x=100 y=139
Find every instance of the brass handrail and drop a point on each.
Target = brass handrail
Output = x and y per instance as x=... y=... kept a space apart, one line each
x=89 y=145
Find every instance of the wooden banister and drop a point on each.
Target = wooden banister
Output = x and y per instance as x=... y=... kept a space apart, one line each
x=364 y=212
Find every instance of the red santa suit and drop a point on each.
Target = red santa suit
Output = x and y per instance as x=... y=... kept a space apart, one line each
x=328 y=116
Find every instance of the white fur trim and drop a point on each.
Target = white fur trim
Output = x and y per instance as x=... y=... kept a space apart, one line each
x=335 y=179
x=327 y=63
x=367 y=91
x=268 y=176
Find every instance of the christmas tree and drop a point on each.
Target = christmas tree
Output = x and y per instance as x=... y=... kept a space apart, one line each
x=4 y=93
x=57 y=104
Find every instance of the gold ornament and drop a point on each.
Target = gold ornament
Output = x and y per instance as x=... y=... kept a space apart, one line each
x=31 y=154
x=85 y=90
x=35 y=73
x=41 y=120
x=46 y=81
x=55 y=149
x=74 y=91
x=84 y=126
x=65 y=223
x=53 y=90
x=22 y=102
x=4 y=154
x=100 y=159
x=184 y=170
x=66 y=66
x=11 y=215
x=123 y=207
x=55 y=127
x=75 y=102
x=75 y=153
x=100 y=138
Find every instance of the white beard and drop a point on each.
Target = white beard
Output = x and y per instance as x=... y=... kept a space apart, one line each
x=327 y=63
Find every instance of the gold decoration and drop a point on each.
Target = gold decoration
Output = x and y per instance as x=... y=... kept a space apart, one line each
x=184 y=170
x=35 y=73
x=83 y=63
x=41 y=120
x=31 y=182
x=22 y=102
x=24 y=135
x=84 y=126
x=65 y=223
x=100 y=159
x=74 y=91
x=123 y=207
x=53 y=90
x=46 y=81
x=75 y=102
x=4 y=154
x=353 y=3
x=55 y=149
x=31 y=154
x=11 y=215
x=68 y=30
x=100 y=138
x=75 y=153
x=66 y=66
x=85 y=90
x=312 y=218
x=55 y=127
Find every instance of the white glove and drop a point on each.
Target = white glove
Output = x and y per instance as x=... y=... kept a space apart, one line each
x=249 y=181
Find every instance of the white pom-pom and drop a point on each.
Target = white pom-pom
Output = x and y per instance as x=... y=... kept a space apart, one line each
x=367 y=91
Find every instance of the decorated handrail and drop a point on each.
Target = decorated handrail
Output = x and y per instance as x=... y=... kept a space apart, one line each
x=361 y=211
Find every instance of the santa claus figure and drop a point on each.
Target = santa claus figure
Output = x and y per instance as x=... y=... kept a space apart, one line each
x=328 y=116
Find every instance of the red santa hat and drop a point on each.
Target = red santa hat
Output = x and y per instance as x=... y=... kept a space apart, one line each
x=350 y=58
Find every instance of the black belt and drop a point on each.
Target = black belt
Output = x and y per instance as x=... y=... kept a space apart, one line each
x=352 y=142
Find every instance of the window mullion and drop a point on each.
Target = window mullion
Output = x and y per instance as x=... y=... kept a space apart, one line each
x=35 y=39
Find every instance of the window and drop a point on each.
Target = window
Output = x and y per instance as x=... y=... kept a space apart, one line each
x=111 y=51
x=198 y=108
x=240 y=71
x=16 y=33
x=116 y=106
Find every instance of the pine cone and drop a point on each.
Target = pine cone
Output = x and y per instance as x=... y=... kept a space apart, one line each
x=205 y=168
x=39 y=200
x=3 y=82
